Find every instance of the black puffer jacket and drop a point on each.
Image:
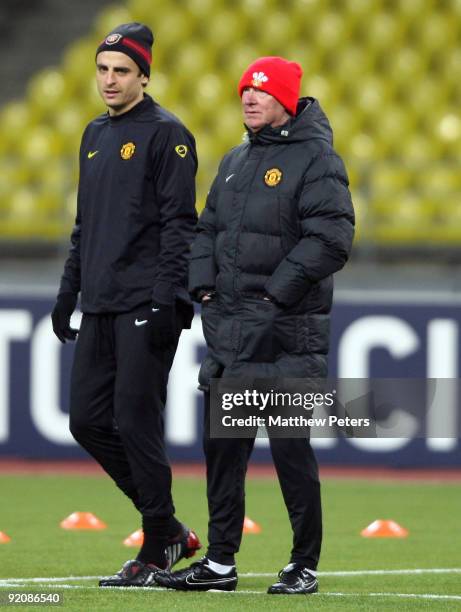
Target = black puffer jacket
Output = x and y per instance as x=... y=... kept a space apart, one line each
x=278 y=221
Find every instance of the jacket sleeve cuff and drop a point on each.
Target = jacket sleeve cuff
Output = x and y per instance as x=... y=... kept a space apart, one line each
x=163 y=292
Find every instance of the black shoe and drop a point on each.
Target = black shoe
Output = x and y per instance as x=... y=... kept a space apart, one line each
x=183 y=546
x=294 y=579
x=133 y=574
x=198 y=577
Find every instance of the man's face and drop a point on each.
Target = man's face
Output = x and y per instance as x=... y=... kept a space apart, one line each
x=260 y=109
x=119 y=81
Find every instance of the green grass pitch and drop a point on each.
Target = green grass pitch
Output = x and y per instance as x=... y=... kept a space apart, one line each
x=32 y=506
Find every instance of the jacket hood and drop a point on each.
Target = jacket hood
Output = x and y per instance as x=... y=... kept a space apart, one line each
x=310 y=123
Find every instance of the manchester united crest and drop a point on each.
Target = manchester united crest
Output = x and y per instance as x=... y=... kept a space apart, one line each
x=127 y=150
x=112 y=39
x=273 y=177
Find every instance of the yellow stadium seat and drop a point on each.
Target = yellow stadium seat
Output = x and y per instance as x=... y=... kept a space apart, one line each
x=253 y=9
x=451 y=65
x=40 y=145
x=110 y=17
x=23 y=203
x=364 y=147
x=79 y=63
x=172 y=34
x=191 y=62
x=449 y=211
x=232 y=64
x=331 y=31
x=69 y=123
x=351 y=65
x=345 y=124
x=202 y=10
x=47 y=91
x=222 y=27
x=448 y=126
x=417 y=149
x=320 y=87
x=144 y=11
x=373 y=97
x=407 y=66
x=275 y=28
x=16 y=119
x=49 y=203
x=414 y=10
x=408 y=214
x=384 y=31
x=437 y=32
x=394 y=125
x=360 y=10
x=440 y=181
x=209 y=92
x=389 y=179
x=160 y=85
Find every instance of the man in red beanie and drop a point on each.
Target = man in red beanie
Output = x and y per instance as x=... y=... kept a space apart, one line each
x=278 y=223
x=135 y=220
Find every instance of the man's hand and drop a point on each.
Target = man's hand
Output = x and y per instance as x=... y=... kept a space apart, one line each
x=206 y=296
x=60 y=317
x=161 y=326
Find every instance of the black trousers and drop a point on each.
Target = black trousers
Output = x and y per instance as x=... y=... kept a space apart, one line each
x=118 y=396
x=297 y=471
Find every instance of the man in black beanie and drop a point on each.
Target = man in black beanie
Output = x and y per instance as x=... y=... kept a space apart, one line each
x=135 y=220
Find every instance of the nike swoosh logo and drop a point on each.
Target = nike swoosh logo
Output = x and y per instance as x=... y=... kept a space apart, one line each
x=138 y=323
x=155 y=309
x=208 y=581
x=92 y=154
x=229 y=177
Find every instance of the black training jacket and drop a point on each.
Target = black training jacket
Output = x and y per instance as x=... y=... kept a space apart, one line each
x=135 y=211
x=278 y=221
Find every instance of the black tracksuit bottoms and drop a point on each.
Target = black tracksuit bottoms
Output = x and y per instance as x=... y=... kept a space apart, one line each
x=118 y=396
x=297 y=471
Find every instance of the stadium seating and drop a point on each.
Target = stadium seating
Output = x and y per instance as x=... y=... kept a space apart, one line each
x=387 y=74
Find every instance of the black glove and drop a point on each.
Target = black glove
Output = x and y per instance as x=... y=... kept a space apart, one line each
x=161 y=325
x=60 y=317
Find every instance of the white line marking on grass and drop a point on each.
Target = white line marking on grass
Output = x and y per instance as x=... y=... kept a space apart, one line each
x=248 y=592
x=50 y=579
x=4 y=582
x=404 y=595
x=450 y=570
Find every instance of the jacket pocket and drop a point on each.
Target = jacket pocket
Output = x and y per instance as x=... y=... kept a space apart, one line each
x=263 y=332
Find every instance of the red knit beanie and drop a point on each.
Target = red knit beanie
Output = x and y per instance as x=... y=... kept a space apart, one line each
x=276 y=76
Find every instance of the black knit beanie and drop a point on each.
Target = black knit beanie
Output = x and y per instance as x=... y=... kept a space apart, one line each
x=133 y=39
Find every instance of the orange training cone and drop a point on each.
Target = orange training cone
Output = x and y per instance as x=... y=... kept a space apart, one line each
x=250 y=526
x=384 y=529
x=4 y=539
x=82 y=520
x=135 y=539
